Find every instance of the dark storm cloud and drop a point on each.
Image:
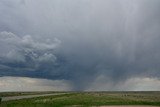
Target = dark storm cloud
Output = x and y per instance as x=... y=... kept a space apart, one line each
x=117 y=39
x=26 y=54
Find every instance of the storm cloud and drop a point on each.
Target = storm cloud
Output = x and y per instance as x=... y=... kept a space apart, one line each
x=90 y=43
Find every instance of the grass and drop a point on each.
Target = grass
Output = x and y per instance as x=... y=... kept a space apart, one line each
x=87 y=99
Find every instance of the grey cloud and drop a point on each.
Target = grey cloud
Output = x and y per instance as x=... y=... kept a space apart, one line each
x=117 y=39
x=25 y=53
x=27 y=47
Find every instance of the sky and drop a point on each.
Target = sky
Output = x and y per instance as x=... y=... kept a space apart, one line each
x=80 y=45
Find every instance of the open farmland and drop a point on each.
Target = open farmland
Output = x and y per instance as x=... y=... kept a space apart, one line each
x=87 y=99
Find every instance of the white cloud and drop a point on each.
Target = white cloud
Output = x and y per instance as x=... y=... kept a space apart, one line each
x=141 y=84
x=33 y=84
x=102 y=83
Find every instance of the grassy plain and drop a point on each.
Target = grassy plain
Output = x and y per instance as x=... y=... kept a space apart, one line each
x=87 y=99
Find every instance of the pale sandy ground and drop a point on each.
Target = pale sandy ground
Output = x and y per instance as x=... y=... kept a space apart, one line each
x=129 y=106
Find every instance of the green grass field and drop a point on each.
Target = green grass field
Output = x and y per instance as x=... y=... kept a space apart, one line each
x=87 y=99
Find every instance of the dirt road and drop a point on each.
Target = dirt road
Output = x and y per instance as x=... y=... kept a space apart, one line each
x=130 y=106
x=28 y=96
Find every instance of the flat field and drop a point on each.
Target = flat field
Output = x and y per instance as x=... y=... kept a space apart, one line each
x=88 y=99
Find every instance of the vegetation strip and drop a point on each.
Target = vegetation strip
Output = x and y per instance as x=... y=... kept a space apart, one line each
x=89 y=99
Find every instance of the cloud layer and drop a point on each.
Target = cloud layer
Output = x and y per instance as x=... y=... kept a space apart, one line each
x=26 y=55
x=102 y=83
x=33 y=84
x=118 y=40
